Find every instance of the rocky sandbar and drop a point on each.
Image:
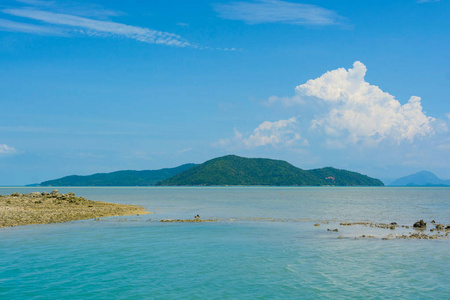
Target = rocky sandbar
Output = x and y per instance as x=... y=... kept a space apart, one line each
x=43 y=208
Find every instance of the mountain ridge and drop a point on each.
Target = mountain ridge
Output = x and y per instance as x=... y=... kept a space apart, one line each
x=236 y=170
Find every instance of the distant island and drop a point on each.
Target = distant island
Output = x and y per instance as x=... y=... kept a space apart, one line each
x=235 y=170
x=423 y=178
x=230 y=170
x=119 y=178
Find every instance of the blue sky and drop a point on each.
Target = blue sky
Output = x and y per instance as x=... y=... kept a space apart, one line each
x=99 y=86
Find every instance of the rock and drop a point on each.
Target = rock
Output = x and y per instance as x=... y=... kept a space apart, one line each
x=34 y=194
x=54 y=193
x=45 y=194
x=440 y=227
x=394 y=223
x=186 y=220
x=335 y=230
x=420 y=224
x=317 y=224
x=16 y=194
x=433 y=222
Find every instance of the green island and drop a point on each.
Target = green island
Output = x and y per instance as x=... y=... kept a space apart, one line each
x=119 y=178
x=230 y=170
x=236 y=170
x=44 y=208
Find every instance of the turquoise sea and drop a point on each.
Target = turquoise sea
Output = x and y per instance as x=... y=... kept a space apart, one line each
x=264 y=245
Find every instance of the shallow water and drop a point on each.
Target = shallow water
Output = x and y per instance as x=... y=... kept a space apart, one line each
x=263 y=245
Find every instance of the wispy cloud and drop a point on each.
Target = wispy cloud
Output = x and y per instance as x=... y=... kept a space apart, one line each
x=7 y=150
x=184 y=150
x=427 y=1
x=73 y=8
x=7 y=25
x=276 y=11
x=92 y=27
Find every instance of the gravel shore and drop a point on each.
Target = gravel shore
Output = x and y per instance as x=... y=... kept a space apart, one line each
x=43 y=208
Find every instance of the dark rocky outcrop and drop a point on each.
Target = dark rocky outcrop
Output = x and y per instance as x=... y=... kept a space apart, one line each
x=420 y=225
x=440 y=227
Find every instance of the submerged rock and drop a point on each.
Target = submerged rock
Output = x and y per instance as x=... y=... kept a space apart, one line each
x=195 y=220
x=420 y=224
x=422 y=236
x=440 y=227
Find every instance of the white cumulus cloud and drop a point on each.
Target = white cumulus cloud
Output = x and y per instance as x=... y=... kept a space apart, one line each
x=352 y=110
x=361 y=111
x=339 y=110
x=282 y=133
x=277 y=133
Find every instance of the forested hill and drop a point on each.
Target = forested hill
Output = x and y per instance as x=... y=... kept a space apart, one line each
x=119 y=178
x=235 y=170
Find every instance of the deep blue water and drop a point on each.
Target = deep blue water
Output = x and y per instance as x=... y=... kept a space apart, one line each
x=264 y=245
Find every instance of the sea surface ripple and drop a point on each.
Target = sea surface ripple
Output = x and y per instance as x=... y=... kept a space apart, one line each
x=264 y=245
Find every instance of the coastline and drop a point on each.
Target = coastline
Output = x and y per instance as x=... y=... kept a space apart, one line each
x=45 y=208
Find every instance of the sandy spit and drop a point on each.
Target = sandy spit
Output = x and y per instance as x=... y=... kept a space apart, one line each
x=43 y=208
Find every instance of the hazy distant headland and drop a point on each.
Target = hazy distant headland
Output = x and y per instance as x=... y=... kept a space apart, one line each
x=230 y=170
x=423 y=178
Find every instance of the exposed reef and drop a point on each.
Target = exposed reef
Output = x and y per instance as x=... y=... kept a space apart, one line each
x=43 y=208
x=440 y=231
x=196 y=219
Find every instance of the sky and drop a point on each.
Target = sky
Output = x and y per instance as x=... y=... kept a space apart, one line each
x=100 y=86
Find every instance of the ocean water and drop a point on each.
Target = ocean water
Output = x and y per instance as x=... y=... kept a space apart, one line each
x=264 y=245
